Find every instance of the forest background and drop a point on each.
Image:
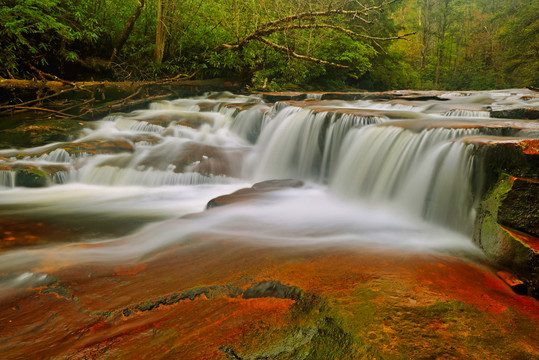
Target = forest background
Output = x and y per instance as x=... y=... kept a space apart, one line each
x=277 y=44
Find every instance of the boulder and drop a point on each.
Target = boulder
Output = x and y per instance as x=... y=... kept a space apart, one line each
x=31 y=178
x=255 y=192
x=506 y=227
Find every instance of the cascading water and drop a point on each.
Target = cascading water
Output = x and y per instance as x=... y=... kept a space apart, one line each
x=466 y=113
x=170 y=160
x=304 y=144
x=422 y=173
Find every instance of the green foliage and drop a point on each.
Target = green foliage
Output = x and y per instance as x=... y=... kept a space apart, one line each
x=41 y=33
x=520 y=40
x=476 y=44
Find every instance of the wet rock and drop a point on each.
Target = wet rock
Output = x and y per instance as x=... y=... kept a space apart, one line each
x=513 y=282
x=514 y=112
x=271 y=185
x=350 y=96
x=98 y=147
x=273 y=97
x=273 y=289
x=31 y=178
x=507 y=204
x=16 y=233
x=39 y=132
x=519 y=209
x=189 y=294
x=29 y=175
x=241 y=106
x=517 y=157
x=254 y=192
x=59 y=291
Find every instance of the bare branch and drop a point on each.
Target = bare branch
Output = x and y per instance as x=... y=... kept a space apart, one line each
x=286 y=19
x=266 y=32
x=298 y=56
x=350 y=33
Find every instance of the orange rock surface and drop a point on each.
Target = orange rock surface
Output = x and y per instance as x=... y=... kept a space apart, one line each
x=389 y=300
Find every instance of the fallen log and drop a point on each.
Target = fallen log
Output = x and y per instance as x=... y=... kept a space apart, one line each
x=89 y=100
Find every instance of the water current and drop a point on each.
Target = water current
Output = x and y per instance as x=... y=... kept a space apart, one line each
x=391 y=173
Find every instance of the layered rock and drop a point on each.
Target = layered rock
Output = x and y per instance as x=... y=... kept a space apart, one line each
x=507 y=221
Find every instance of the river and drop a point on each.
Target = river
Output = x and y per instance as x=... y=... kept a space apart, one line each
x=397 y=175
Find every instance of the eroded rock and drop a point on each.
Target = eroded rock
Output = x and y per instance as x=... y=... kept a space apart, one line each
x=506 y=207
x=254 y=192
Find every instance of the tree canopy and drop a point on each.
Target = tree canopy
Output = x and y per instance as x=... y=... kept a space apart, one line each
x=277 y=44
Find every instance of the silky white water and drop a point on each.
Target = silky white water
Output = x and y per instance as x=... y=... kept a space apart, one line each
x=372 y=179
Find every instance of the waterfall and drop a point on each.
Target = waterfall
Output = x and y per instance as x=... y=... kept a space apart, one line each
x=399 y=154
x=425 y=174
x=304 y=144
x=466 y=113
x=7 y=179
x=114 y=176
x=248 y=124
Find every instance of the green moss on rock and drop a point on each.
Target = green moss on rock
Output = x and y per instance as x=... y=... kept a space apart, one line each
x=510 y=204
x=31 y=178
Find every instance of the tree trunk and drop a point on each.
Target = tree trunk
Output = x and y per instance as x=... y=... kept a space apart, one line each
x=127 y=30
x=161 y=33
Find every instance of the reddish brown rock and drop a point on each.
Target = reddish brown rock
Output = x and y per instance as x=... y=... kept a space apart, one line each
x=15 y=233
x=257 y=191
x=513 y=282
x=215 y=297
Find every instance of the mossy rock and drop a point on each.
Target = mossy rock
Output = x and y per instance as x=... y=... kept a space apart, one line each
x=506 y=227
x=38 y=132
x=31 y=178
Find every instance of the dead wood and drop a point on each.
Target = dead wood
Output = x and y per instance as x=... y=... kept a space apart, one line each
x=91 y=100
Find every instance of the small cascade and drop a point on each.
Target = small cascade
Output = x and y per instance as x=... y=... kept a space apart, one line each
x=315 y=96
x=114 y=176
x=462 y=113
x=337 y=130
x=445 y=195
x=413 y=162
x=56 y=156
x=303 y=144
x=294 y=149
x=61 y=177
x=419 y=172
x=278 y=107
x=248 y=124
x=138 y=125
x=7 y=179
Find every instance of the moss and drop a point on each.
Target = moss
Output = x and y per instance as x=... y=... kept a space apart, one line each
x=387 y=326
x=59 y=291
x=31 y=178
x=38 y=132
x=106 y=313
x=498 y=243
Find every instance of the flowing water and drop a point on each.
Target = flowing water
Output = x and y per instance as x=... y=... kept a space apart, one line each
x=384 y=174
